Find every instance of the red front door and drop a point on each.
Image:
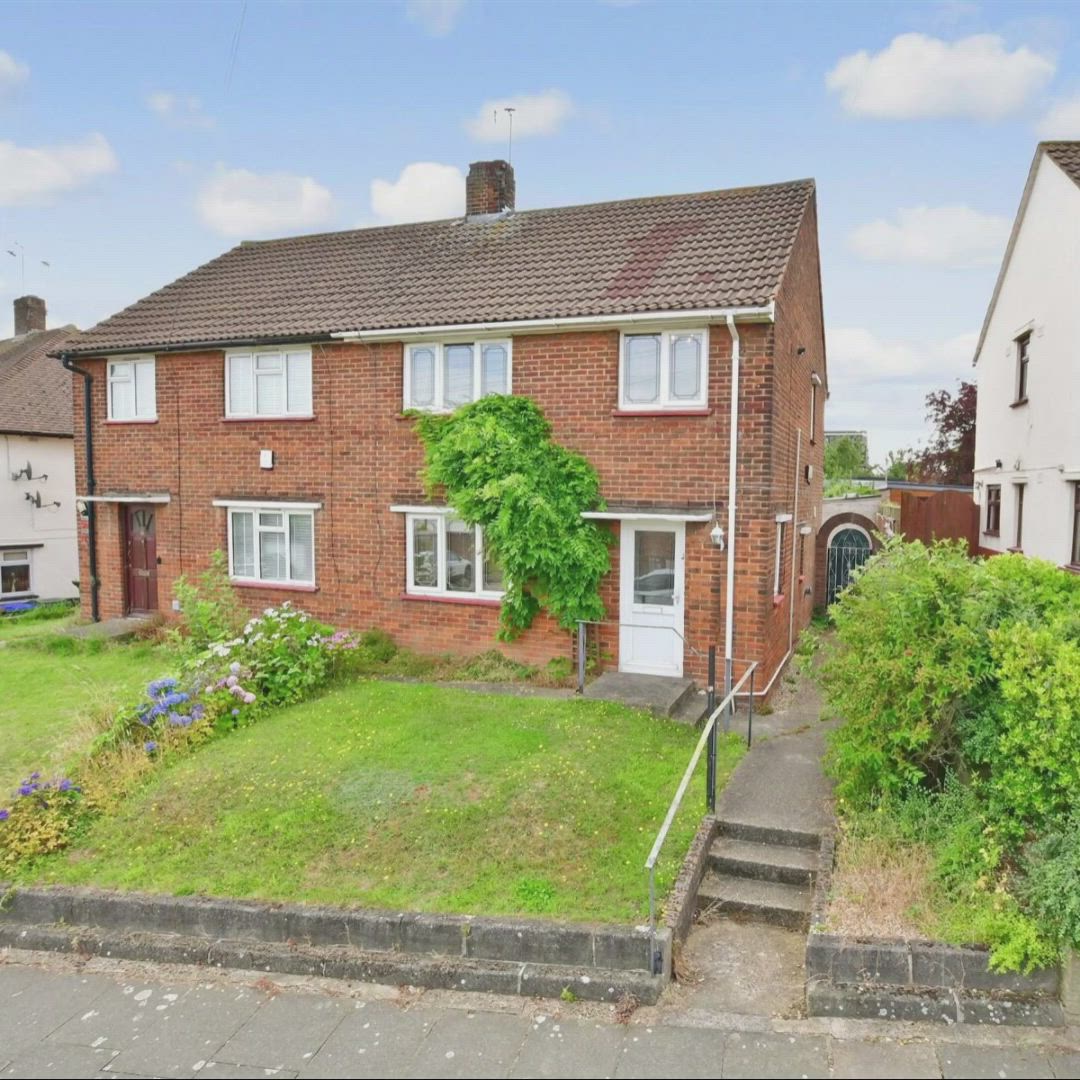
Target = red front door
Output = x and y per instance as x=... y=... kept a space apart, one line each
x=141 y=559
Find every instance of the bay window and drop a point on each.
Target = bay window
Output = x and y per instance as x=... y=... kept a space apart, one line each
x=441 y=376
x=273 y=545
x=445 y=556
x=664 y=370
x=268 y=383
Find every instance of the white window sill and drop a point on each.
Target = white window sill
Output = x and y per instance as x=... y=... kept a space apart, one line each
x=469 y=600
x=266 y=418
x=132 y=420
x=285 y=586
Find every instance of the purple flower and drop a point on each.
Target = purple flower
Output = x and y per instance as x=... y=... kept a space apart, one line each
x=160 y=685
x=150 y=746
x=236 y=712
x=198 y=712
x=4 y=814
x=234 y=667
x=176 y=698
x=249 y=698
x=66 y=785
x=27 y=789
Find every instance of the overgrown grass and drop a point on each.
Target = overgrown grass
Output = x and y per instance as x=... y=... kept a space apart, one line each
x=410 y=796
x=55 y=692
x=41 y=621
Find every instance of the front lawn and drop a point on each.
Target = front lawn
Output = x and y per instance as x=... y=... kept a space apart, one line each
x=410 y=796
x=54 y=692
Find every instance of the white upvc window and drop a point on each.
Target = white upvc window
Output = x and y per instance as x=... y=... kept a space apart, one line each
x=268 y=382
x=441 y=375
x=273 y=545
x=15 y=572
x=664 y=369
x=447 y=557
x=132 y=388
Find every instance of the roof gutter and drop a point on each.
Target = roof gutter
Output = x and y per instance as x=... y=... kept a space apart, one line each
x=766 y=313
x=91 y=517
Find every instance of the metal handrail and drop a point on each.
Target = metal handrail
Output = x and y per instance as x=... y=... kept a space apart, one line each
x=708 y=736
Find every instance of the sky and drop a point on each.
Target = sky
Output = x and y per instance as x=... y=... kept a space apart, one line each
x=140 y=140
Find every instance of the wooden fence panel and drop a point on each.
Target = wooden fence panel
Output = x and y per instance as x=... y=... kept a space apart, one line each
x=947 y=515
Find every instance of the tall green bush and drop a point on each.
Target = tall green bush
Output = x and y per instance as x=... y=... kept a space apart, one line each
x=500 y=468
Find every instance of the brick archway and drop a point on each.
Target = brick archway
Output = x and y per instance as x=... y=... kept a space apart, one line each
x=821 y=550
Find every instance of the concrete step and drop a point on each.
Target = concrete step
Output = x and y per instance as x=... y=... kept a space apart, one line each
x=763 y=862
x=763 y=901
x=768 y=834
x=341 y=962
x=662 y=695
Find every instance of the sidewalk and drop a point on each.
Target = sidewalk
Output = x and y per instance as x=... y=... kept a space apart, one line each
x=60 y=1017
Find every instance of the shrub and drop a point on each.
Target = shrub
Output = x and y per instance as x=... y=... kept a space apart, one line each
x=209 y=608
x=1051 y=885
x=39 y=819
x=285 y=649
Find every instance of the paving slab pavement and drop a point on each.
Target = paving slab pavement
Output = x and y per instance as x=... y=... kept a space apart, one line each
x=63 y=1017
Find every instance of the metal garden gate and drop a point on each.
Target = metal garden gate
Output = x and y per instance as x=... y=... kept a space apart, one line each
x=848 y=550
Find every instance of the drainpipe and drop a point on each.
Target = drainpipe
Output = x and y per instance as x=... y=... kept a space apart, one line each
x=91 y=519
x=792 y=599
x=733 y=443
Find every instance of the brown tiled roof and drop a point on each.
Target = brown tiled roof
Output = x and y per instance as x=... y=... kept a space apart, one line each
x=35 y=391
x=669 y=253
x=1067 y=156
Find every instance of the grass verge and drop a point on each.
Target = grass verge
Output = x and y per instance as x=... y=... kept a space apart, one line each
x=410 y=796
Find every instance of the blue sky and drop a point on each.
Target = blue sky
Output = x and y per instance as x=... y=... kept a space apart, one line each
x=139 y=140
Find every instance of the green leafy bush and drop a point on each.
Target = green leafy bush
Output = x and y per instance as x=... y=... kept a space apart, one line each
x=209 y=608
x=1051 y=884
x=958 y=681
x=500 y=469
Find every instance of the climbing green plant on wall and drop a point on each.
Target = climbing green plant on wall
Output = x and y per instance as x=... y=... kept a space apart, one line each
x=500 y=469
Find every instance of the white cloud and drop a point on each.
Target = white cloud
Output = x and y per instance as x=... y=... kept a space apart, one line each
x=181 y=110
x=238 y=202
x=436 y=17
x=1061 y=121
x=30 y=174
x=939 y=235
x=918 y=76
x=534 y=114
x=880 y=384
x=425 y=191
x=12 y=72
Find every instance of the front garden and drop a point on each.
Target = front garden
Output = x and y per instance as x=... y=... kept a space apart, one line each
x=274 y=763
x=958 y=759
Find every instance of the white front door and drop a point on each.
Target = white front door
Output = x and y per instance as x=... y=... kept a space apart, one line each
x=652 y=560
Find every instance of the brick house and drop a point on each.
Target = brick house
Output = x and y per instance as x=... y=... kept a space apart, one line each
x=258 y=405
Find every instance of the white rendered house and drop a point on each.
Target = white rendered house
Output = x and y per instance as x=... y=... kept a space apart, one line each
x=39 y=552
x=1027 y=446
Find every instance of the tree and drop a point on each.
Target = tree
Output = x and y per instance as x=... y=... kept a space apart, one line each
x=949 y=458
x=845 y=458
x=897 y=465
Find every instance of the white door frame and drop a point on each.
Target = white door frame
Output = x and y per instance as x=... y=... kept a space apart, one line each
x=651 y=635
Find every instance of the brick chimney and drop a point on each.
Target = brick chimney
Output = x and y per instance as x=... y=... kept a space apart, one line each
x=29 y=314
x=489 y=188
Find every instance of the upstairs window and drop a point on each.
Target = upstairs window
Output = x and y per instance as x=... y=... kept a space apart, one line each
x=132 y=389
x=664 y=370
x=268 y=383
x=1023 y=345
x=449 y=558
x=441 y=376
x=272 y=545
x=993 y=510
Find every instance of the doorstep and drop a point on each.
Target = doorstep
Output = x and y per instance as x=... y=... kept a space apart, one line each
x=660 y=694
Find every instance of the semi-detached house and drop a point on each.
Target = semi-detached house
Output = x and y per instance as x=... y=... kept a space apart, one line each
x=261 y=405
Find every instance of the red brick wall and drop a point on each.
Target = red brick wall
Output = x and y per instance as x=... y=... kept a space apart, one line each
x=358 y=456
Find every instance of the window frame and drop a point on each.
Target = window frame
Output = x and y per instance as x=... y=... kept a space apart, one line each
x=438 y=347
x=665 y=402
x=442 y=517
x=284 y=351
x=288 y=511
x=111 y=379
x=1023 y=366
x=993 y=503
x=1018 y=523
x=26 y=561
x=782 y=522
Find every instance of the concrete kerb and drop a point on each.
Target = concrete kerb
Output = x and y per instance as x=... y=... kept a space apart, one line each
x=533 y=951
x=682 y=902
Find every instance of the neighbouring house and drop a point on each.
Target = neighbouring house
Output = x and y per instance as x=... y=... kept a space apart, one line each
x=260 y=405
x=1027 y=440
x=39 y=554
